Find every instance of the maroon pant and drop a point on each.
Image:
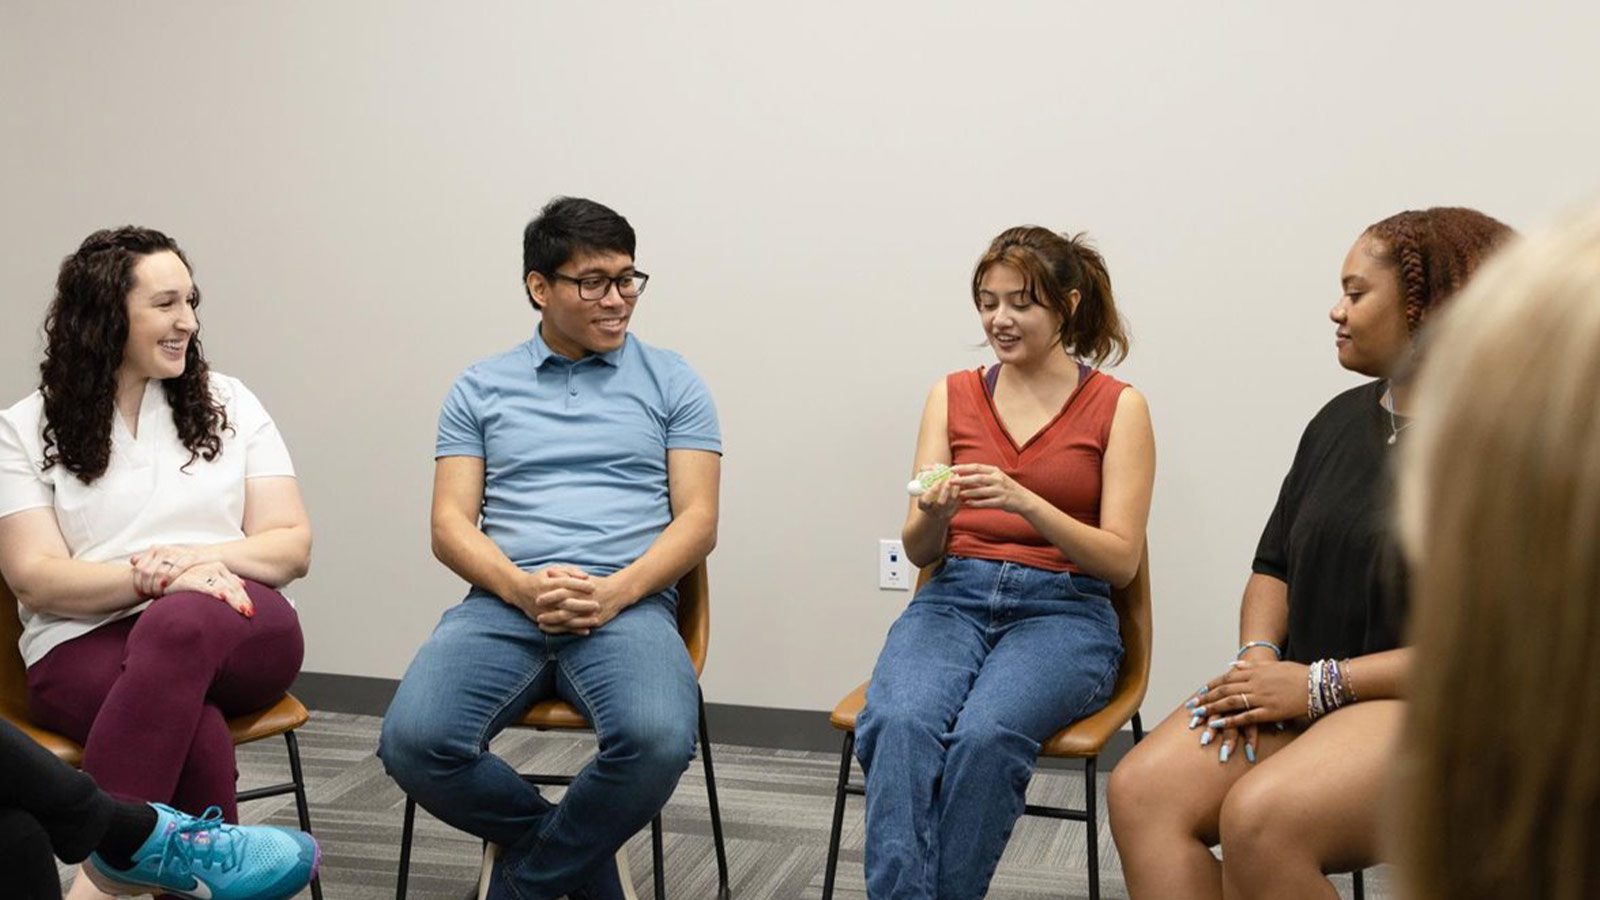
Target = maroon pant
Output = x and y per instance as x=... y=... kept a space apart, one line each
x=148 y=696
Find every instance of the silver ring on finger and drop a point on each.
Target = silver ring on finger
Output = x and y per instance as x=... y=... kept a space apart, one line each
x=1246 y=698
x=210 y=581
x=166 y=564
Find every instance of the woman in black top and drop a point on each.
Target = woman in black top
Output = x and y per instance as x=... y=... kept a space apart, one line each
x=1274 y=758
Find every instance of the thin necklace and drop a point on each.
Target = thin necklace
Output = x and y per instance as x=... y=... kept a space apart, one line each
x=1394 y=427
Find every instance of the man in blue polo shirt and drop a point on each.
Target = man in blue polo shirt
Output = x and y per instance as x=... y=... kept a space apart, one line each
x=592 y=460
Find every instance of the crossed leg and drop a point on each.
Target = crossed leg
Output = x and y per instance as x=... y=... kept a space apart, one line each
x=1310 y=805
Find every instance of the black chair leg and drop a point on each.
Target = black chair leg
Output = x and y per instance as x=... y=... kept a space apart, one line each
x=658 y=857
x=1091 y=819
x=1358 y=884
x=405 y=849
x=1138 y=728
x=838 y=816
x=301 y=806
x=723 y=891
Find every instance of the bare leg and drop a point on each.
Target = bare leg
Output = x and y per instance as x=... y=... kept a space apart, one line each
x=84 y=889
x=1166 y=805
x=1313 y=808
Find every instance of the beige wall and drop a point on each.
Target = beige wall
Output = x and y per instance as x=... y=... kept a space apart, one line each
x=811 y=184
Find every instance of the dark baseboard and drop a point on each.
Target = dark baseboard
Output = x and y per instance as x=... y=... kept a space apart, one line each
x=345 y=693
x=751 y=726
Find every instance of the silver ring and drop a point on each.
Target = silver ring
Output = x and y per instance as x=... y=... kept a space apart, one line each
x=1246 y=699
x=210 y=581
x=166 y=564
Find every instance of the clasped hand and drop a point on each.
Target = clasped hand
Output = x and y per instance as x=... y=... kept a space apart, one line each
x=563 y=599
x=1250 y=694
x=170 y=569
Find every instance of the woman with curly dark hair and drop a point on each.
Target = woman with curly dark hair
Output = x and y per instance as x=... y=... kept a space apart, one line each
x=149 y=514
x=1311 y=699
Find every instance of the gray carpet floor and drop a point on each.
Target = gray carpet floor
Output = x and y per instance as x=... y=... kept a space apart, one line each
x=776 y=811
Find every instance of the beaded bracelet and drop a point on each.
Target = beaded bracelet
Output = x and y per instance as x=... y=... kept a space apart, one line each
x=1330 y=693
x=1276 y=650
x=1311 y=679
x=1328 y=687
x=1314 y=708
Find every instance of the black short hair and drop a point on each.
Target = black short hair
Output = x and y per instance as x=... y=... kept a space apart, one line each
x=568 y=226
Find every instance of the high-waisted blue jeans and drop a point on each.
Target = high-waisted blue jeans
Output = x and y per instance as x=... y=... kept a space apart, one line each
x=988 y=661
x=485 y=664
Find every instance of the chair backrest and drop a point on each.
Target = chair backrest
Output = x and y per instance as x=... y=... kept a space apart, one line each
x=694 y=614
x=1132 y=603
x=13 y=674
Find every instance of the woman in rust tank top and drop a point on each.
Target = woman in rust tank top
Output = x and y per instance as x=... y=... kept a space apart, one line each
x=1014 y=636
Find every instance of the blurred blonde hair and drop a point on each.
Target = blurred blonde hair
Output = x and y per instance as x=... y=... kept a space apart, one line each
x=1500 y=517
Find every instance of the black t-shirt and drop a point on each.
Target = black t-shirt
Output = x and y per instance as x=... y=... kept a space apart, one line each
x=1330 y=537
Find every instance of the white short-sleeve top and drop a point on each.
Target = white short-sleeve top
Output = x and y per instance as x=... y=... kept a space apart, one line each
x=150 y=493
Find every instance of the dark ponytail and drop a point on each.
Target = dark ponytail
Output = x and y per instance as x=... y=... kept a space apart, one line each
x=1095 y=331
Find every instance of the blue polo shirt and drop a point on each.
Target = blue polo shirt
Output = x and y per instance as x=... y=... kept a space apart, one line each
x=575 y=451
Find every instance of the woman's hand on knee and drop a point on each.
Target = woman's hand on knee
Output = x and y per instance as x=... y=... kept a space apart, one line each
x=156 y=568
x=1253 y=693
x=1229 y=740
x=214 y=578
x=1225 y=740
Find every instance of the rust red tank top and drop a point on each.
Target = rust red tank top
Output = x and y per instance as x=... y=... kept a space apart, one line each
x=1061 y=464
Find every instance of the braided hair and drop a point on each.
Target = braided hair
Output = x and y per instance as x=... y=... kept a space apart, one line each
x=1434 y=251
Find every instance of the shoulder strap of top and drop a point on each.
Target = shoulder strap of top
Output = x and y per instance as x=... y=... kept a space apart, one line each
x=992 y=378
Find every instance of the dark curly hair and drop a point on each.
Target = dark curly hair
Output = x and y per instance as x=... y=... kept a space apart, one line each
x=1055 y=265
x=1435 y=251
x=85 y=332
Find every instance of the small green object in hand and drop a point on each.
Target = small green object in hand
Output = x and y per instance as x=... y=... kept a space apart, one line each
x=928 y=479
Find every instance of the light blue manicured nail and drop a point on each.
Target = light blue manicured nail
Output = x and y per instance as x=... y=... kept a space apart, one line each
x=1192 y=701
x=1250 y=752
x=1195 y=721
x=1199 y=711
x=1206 y=738
x=1215 y=723
x=1224 y=753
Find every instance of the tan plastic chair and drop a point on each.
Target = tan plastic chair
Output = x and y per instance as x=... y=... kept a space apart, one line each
x=282 y=718
x=694 y=624
x=1083 y=739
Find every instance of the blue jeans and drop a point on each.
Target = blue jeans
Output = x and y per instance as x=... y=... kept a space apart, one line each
x=485 y=664
x=988 y=661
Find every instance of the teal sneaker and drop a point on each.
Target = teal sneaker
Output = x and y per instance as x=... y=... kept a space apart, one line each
x=205 y=858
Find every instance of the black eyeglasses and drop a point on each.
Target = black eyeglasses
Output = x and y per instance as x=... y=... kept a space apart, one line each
x=596 y=287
